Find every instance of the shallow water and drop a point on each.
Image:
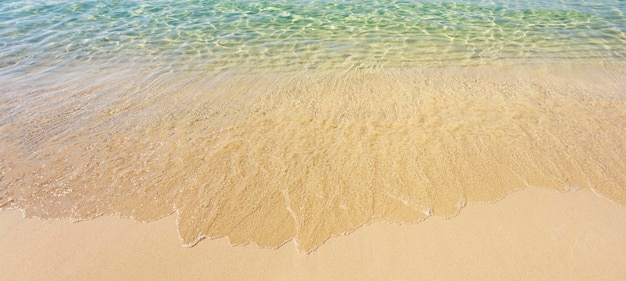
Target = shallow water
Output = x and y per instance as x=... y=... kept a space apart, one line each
x=213 y=36
x=272 y=121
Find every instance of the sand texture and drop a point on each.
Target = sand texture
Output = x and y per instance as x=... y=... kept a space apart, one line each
x=306 y=156
x=535 y=234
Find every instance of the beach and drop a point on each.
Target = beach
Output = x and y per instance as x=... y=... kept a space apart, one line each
x=271 y=157
x=534 y=234
x=383 y=139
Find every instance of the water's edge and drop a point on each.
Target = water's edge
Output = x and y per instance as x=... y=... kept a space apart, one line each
x=308 y=156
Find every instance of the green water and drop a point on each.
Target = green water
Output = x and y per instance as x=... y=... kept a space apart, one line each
x=213 y=36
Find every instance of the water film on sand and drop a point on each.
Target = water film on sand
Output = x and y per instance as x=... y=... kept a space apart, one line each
x=305 y=156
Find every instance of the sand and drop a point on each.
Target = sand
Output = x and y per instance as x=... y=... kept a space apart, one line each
x=269 y=157
x=534 y=234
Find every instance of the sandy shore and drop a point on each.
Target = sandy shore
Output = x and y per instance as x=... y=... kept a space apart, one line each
x=534 y=234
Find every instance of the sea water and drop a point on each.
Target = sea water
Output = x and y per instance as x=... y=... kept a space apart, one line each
x=267 y=121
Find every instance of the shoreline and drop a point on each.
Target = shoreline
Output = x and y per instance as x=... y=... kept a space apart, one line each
x=533 y=234
x=339 y=150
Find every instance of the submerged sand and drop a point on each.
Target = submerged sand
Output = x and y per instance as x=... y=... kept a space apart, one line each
x=271 y=158
x=535 y=234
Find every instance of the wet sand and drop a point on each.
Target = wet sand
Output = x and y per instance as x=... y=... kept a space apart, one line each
x=534 y=234
x=274 y=157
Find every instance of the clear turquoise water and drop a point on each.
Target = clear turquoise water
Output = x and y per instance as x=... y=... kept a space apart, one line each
x=40 y=36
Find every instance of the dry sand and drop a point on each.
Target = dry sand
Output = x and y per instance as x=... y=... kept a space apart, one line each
x=534 y=234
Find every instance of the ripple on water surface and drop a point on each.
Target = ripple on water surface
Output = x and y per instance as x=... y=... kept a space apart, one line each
x=294 y=35
x=270 y=121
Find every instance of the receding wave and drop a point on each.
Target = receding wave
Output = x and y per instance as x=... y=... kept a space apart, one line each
x=267 y=158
